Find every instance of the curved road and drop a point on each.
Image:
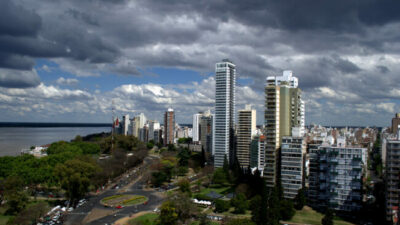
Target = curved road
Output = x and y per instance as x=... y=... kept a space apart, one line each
x=112 y=215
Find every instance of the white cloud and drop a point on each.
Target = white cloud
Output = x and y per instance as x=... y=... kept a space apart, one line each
x=67 y=81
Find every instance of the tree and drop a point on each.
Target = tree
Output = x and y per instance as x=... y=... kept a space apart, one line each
x=273 y=212
x=287 y=211
x=203 y=159
x=31 y=214
x=219 y=177
x=204 y=220
x=184 y=207
x=183 y=156
x=328 y=218
x=240 y=203
x=221 y=206
x=255 y=207
x=300 y=200
x=240 y=222
x=74 y=177
x=168 y=215
x=150 y=145
x=158 y=178
x=184 y=187
x=14 y=195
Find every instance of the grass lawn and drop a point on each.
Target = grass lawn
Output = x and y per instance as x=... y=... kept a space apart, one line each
x=4 y=219
x=309 y=216
x=123 y=200
x=146 y=219
x=221 y=190
x=197 y=223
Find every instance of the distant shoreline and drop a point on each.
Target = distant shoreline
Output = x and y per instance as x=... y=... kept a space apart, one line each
x=24 y=124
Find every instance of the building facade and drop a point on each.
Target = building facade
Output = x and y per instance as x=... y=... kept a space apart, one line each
x=392 y=177
x=169 y=127
x=293 y=152
x=272 y=120
x=284 y=110
x=257 y=153
x=196 y=127
x=313 y=168
x=153 y=125
x=340 y=177
x=225 y=81
x=245 y=130
x=206 y=131
x=125 y=124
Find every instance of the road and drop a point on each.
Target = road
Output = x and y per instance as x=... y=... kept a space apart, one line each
x=132 y=185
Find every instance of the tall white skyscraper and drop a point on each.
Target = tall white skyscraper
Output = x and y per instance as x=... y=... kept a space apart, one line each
x=196 y=128
x=153 y=125
x=225 y=81
x=125 y=124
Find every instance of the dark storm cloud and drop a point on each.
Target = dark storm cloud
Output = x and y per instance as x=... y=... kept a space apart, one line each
x=17 y=21
x=382 y=69
x=346 y=45
x=82 y=16
x=18 y=79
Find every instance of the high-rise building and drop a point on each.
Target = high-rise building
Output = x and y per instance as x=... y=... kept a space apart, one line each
x=272 y=119
x=313 y=177
x=225 y=81
x=245 y=130
x=257 y=153
x=125 y=124
x=284 y=110
x=206 y=131
x=392 y=176
x=144 y=134
x=196 y=127
x=169 y=127
x=340 y=177
x=139 y=122
x=293 y=152
x=286 y=77
x=153 y=125
x=395 y=123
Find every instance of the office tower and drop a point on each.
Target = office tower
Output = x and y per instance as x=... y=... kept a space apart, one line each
x=153 y=125
x=139 y=122
x=392 y=176
x=257 y=153
x=125 y=124
x=225 y=81
x=284 y=110
x=293 y=152
x=157 y=136
x=144 y=134
x=206 y=131
x=196 y=127
x=245 y=130
x=340 y=177
x=395 y=123
x=169 y=127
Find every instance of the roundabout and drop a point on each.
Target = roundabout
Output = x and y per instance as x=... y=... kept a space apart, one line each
x=123 y=200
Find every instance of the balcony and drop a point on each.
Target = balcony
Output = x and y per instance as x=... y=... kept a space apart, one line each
x=357 y=159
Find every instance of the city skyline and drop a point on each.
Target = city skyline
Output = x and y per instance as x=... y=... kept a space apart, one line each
x=61 y=62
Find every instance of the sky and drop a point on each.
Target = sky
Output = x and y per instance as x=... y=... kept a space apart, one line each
x=67 y=61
